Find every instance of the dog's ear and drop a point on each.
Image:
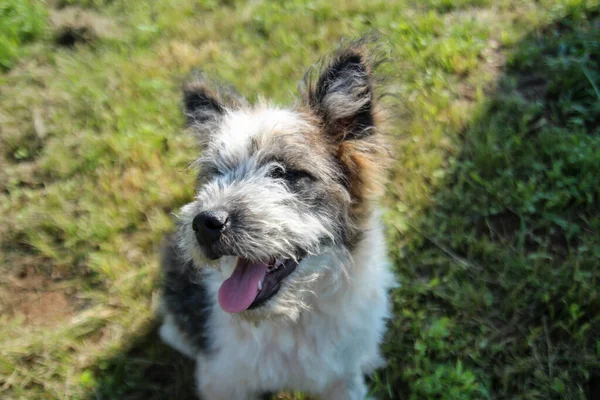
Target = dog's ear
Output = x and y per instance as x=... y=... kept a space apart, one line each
x=342 y=95
x=205 y=101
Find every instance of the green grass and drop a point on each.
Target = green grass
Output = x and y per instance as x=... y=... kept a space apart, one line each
x=20 y=22
x=493 y=202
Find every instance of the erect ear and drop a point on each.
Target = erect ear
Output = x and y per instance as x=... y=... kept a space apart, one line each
x=206 y=101
x=343 y=94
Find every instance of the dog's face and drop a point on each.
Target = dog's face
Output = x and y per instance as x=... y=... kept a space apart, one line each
x=279 y=187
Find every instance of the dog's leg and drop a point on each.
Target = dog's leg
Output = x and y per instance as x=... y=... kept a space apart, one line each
x=350 y=388
x=171 y=335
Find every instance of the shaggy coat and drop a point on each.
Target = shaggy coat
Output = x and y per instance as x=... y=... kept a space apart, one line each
x=277 y=278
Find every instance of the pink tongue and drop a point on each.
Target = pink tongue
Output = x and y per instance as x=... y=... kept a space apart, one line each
x=239 y=291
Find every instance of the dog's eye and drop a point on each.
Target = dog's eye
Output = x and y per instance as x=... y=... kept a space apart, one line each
x=295 y=175
x=277 y=173
x=290 y=175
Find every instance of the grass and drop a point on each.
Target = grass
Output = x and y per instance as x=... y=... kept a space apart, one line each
x=493 y=220
x=20 y=22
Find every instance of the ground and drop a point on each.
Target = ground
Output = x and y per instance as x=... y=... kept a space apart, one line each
x=493 y=203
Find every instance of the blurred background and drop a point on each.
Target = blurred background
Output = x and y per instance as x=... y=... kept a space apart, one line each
x=493 y=204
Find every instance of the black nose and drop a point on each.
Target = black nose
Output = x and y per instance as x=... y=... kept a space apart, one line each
x=209 y=225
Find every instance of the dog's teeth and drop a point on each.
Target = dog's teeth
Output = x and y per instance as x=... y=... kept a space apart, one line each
x=259 y=285
x=275 y=265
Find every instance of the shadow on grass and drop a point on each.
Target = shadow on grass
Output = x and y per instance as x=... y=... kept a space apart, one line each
x=500 y=279
x=146 y=370
x=499 y=297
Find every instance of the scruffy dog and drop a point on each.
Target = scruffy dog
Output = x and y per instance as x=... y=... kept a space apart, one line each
x=278 y=276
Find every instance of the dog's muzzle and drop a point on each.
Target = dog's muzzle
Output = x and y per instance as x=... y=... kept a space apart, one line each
x=253 y=282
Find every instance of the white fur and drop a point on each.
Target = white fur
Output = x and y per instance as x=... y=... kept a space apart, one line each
x=325 y=351
x=235 y=149
x=321 y=332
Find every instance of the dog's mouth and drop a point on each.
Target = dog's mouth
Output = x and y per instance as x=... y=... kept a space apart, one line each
x=253 y=283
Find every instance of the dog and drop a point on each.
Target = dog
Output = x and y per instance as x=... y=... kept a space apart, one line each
x=278 y=278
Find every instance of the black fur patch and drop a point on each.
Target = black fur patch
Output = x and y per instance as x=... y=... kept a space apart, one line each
x=322 y=201
x=186 y=298
x=347 y=76
x=205 y=100
x=200 y=107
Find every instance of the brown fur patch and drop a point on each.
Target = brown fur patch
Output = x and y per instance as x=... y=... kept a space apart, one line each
x=365 y=165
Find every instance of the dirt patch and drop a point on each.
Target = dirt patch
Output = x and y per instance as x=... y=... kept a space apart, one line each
x=44 y=308
x=36 y=298
x=73 y=25
x=494 y=58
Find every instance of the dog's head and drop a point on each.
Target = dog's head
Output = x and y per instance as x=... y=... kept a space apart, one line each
x=279 y=187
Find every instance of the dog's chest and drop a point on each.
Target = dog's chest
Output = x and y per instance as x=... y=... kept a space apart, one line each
x=303 y=355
